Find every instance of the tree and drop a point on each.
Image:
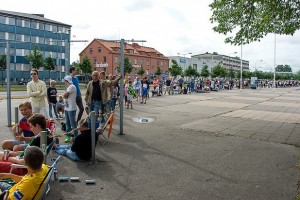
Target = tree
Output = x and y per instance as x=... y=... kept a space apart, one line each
x=283 y=68
x=219 y=71
x=85 y=66
x=251 y=20
x=36 y=58
x=49 y=64
x=191 y=72
x=175 y=69
x=158 y=71
x=204 y=71
x=2 y=66
x=127 y=67
x=141 y=72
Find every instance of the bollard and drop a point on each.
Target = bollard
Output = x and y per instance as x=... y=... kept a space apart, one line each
x=93 y=135
x=43 y=144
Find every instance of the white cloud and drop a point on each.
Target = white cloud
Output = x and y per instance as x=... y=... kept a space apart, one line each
x=169 y=26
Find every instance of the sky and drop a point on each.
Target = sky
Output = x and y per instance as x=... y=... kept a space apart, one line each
x=169 y=26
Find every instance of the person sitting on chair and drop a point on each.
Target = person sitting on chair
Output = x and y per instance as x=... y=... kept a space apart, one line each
x=28 y=185
x=81 y=149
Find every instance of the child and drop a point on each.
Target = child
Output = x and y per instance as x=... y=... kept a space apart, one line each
x=130 y=94
x=60 y=106
x=52 y=98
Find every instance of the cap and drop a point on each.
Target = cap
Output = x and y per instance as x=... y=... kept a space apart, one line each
x=68 y=78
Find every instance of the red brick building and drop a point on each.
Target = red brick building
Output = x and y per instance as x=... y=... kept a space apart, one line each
x=105 y=56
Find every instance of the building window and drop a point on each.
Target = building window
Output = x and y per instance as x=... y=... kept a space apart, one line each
x=147 y=62
x=2 y=20
x=41 y=40
x=60 y=29
x=95 y=60
x=99 y=49
x=158 y=63
x=116 y=59
x=48 y=27
x=33 y=39
x=41 y=26
x=11 y=36
x=34 y=25
x=19 y=37
x=47 y=40
x=142 y=61
x=19 y=22
x=2 y=35
x=104 y=59
x=19 y=52
x=26 y=24
x=11 y=21
x=91 y=50
x=135 y=61
x=54 y=28
x=26 y=52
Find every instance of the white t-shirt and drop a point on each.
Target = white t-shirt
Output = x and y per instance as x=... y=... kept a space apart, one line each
x=71 y=100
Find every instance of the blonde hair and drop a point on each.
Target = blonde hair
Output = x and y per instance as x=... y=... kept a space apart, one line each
x=52 y=82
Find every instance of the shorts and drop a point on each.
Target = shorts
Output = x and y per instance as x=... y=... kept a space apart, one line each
x=144 y=92
x=129 y=97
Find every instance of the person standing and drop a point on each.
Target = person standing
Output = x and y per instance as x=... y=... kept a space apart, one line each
x=168 y=84
x=37 y=91
x=144 y=90
x=70 y=107
x=78 y=93
x=93 y=94
x=52 y=98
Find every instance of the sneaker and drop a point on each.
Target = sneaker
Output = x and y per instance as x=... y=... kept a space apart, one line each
x=67 y=140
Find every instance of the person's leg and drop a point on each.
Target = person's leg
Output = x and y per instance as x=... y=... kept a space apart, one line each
x=50 y=110
x=62 y=149
x=55 y=112
x=43 y=111
x=71 y=154
x=68 y=125
x=80 y=106
x=72 y=116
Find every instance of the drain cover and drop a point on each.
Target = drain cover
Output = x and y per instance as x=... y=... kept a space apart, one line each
x=143 y=120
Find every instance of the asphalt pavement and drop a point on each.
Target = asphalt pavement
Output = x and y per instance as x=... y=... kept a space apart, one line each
x=218 y=145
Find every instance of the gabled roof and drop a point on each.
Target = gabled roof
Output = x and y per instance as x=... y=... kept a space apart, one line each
x=114 y=46
x=37 y=17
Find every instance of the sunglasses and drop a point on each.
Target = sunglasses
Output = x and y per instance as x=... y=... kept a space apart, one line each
x=33 y=74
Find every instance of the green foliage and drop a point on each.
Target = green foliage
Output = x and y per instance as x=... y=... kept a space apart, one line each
x=2 y=62
x=191 y=72
x=49 y=64
x=175 y=69
x=141 y=72
x=219 y=71
x=85 y=66
x=283 y=68
x=36 y=58
x=204 y=71
x=158 y=71
x=127 y=66
x=251 y=20
x=230 y=73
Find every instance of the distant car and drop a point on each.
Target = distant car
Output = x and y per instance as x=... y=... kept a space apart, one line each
x=22 y=82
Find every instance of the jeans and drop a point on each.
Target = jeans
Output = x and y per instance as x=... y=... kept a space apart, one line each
x=95 y=106
x=66 y=151
x=113 y=103
x=71 y=121
x=52 y=105
x=80 y=106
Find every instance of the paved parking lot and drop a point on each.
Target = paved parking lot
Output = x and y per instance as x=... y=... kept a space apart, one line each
x=219 y=145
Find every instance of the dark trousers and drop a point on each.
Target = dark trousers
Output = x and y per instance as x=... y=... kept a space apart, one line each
x=80 y=106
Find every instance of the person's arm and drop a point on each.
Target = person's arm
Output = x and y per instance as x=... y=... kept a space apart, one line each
x=16 y=160
x=43 y=92
x=30 y=92
x=87 y=93
x=66 y=94
x=114 y=82
x=12 y=176
x=48 y=94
